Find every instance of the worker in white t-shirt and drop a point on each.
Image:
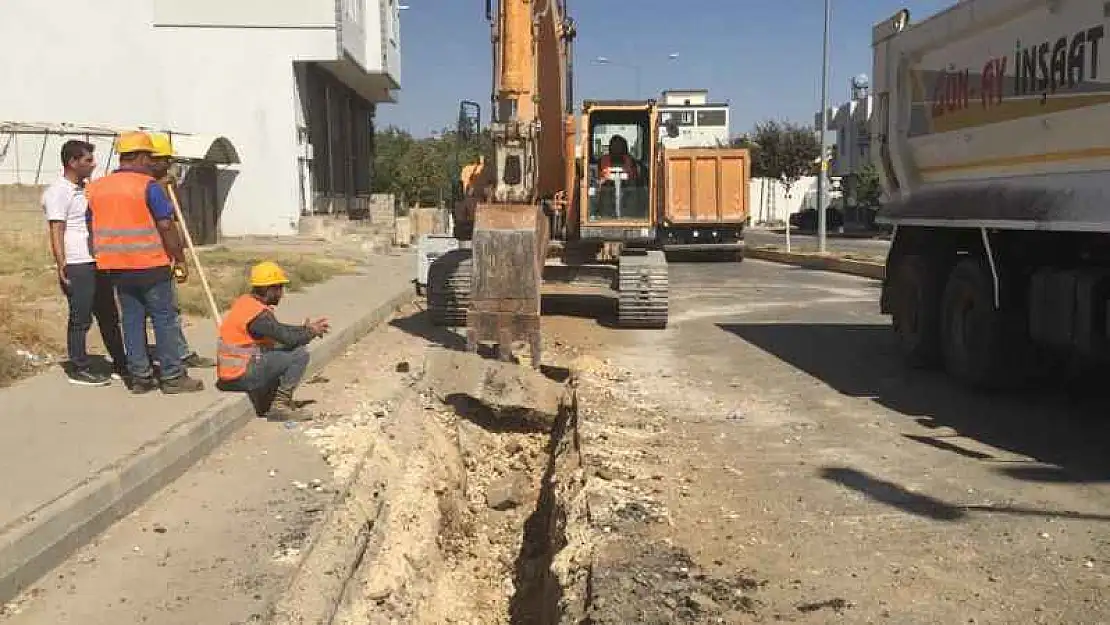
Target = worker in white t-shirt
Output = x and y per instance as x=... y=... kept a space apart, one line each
x=88 y=291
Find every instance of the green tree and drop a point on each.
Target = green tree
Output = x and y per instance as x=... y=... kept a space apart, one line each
x=423 y=170
x=783 y=151
x=865 y=185
x=390 y=147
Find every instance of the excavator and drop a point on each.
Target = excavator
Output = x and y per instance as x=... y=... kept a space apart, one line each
x=548 y=203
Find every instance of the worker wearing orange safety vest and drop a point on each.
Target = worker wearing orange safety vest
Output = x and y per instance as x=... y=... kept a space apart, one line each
x=134 y=241
x=617 y=157
x=257 y=354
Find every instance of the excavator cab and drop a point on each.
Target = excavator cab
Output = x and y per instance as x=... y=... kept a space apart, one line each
x=617 y=188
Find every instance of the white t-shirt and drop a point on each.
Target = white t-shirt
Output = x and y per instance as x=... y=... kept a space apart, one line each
x=65 y=201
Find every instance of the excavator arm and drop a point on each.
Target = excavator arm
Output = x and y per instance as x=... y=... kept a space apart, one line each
x=532 y=99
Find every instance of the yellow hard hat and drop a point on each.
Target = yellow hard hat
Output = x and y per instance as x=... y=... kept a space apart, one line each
x=129 y=142
x=268 y=274
x=162 y=145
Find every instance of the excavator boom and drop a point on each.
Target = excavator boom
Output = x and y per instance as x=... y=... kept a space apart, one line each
x=529 y=185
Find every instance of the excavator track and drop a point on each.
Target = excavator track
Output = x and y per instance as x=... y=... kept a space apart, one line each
x=449 y=278
x=643 y=290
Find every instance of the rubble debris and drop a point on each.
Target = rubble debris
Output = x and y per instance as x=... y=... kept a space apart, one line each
x=499 y=396
x=507 y=492
x=837 y=604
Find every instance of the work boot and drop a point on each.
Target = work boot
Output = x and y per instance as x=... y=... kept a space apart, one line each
x=181 y=384
x=285 y=409
x=196 y=361
x=262 y=400
x=142 y=386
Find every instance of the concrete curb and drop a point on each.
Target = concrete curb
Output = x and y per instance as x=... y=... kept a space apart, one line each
x=44 y=539
x=859 y=268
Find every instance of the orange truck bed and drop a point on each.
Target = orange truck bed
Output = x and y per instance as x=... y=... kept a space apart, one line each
x=704 y=186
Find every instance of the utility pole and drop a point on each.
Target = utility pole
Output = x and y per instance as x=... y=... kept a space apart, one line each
x=822 y=218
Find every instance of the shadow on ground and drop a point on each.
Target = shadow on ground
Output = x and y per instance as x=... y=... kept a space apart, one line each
x=1059 y=424
x=895 y=496
x=601 y=308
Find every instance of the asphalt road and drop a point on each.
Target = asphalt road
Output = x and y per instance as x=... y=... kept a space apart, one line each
x=809 y=243
x=794 y=447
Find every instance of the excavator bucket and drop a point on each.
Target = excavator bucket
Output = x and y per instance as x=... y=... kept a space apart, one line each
x=509 y=246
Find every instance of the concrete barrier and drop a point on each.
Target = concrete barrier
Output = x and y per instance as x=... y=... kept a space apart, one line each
x=826 y=262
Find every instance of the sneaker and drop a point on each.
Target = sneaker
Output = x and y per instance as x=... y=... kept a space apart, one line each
x=182 y=384
x=86 y=377
x=141 y=386
x=196 y=361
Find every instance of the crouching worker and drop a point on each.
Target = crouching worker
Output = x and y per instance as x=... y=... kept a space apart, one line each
x=258 y=355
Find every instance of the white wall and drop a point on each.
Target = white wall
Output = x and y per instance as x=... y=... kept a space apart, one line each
x=86 y=63
x=250 y=98
x=214 y=67
x=253 y=13
x=771 y=202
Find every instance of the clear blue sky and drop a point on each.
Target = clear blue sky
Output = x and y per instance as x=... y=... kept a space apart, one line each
x=762 y=56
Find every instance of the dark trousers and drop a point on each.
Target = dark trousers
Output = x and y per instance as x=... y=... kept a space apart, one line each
x=273 y=370
x=90 y=295
x=138 y=300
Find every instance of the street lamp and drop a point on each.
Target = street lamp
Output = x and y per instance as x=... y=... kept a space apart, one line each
x=822 y=218
x=604 y=60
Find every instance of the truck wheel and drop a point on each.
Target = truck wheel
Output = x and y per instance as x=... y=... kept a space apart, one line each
x=979 y=342
x=916 y=310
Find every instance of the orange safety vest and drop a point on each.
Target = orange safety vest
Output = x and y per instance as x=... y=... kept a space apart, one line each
x=606 y=162
x=124 y=235
x=236 y=346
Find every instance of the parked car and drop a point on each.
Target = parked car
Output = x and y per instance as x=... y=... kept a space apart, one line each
x=806 y=220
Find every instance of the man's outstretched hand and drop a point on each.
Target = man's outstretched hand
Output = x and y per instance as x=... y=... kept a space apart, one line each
x=319 y=327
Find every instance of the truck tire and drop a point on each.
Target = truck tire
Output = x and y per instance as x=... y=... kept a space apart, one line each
x=981 y=344
x=916 y=291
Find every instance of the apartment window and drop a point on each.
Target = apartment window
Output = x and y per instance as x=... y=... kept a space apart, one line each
x=681 y=118
x=712 y=118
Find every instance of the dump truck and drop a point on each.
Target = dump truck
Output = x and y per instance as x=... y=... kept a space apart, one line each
x=703 y=198
x=989 y=135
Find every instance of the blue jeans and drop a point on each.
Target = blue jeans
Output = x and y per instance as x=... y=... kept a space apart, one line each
x=182 y=343
x=276 y=368
x=90 y=295
x=273 y=370
x=157 y=300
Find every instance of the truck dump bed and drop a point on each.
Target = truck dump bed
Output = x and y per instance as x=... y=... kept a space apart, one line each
x=994 y=113
x=705 y=186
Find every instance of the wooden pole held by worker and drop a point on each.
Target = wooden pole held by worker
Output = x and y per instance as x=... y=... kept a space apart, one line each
x=196 y=257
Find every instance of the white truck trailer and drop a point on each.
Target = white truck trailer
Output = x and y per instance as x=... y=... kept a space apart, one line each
x=993 y=131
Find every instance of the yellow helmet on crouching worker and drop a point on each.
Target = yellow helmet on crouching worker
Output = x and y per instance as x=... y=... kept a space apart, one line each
x=131 y=142
x=163 y=147
x=267 y=274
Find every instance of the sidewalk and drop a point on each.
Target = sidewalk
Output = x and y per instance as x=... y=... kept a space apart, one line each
x=76 y=459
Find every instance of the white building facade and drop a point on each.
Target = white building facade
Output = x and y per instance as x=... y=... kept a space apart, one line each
x=701 y=123
x=851 y=122
x=293 y=85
